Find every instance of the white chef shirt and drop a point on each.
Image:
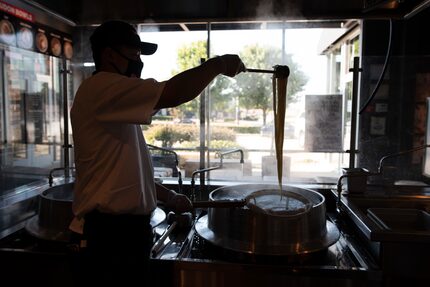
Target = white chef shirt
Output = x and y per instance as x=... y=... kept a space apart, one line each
x=114 y=171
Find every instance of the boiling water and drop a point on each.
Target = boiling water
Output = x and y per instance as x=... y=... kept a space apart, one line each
x=277 y=204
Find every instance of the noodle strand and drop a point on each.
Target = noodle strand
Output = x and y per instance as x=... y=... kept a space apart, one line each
x=279 y=107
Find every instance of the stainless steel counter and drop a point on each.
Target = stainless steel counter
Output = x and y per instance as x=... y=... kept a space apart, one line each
x=395 y=225
x=189 y=261
x=196 y=262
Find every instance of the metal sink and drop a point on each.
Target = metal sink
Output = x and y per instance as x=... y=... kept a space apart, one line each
x=363 y=203
x=400 y=224
x=396 y=223
x=394 y=218
x=401 y=219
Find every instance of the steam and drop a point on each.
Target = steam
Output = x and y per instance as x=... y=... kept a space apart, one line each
x=268 y=10
x=264 y=10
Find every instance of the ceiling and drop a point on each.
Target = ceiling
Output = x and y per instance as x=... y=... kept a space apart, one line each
x=137 y=11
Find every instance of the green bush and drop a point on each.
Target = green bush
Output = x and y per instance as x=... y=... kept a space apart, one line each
x=222 y=134
x=168 y=135
x=187 y=132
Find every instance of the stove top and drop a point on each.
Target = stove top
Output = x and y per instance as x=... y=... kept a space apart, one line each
x=193 y=256
x=345 y=254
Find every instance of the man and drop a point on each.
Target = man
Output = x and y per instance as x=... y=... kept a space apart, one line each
x=115 y=192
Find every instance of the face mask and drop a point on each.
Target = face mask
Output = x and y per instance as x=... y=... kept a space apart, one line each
x=134 y=67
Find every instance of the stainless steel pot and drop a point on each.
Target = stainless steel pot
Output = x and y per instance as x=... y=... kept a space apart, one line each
x=248 y=230
x=55 y=214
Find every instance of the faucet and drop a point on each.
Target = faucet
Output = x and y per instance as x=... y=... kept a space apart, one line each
x=193 y=182
x=230 y=152
x=51 y=173
x=397 y=154
x=365 y=173
x=176 y=163
x=199 y=171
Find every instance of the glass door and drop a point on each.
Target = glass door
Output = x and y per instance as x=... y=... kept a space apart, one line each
x=31 y=115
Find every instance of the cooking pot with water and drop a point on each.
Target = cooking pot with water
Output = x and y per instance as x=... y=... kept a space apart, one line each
x=272 y=222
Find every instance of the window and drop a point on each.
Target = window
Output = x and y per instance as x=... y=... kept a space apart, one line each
x=31 y=117
x=236 y=114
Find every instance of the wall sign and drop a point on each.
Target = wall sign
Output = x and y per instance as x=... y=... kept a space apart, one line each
x=323 y=132
x=17 y=28
x=17 y=12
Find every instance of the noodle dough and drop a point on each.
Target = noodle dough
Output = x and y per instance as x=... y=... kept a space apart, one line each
x=279 y=106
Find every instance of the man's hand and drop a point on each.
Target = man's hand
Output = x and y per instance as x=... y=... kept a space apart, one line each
x=232 y=65
x=178 y=203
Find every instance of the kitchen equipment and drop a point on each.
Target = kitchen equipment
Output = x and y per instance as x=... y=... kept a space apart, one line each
x=183 y=220
x=302 y=229
x=55 y=214
x=356 y=179
x=400 y=224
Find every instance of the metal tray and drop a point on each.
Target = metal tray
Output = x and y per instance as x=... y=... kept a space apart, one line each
x=400 y=224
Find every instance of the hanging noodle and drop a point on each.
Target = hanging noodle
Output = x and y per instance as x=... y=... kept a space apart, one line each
x=263 y=201
x=279 y=106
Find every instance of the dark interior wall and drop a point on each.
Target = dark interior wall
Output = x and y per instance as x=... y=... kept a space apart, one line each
x=96 y=11
x=399 y=93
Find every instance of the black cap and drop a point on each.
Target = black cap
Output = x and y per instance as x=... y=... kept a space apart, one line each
x=114 y=32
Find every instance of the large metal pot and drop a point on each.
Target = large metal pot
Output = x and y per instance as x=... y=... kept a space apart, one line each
x=248 y=230
x=55 y=214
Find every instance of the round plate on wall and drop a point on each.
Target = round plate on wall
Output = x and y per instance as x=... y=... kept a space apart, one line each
x=7 y=32
x=55 y=47
x=41 y=42
x=25 y=38
x=68 y=50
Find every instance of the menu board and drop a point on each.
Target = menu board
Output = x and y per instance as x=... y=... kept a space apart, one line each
x=323 y=128
x=18 y=29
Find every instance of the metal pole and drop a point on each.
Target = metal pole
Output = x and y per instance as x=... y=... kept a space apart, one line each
x=64 y=72
x=354 y=115
x=207 y=115
x=202 y=132
x=260 y=71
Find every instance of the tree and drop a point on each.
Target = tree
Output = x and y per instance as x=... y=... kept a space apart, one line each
x=189 y=56
x=255 y=88
x=222 y=90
